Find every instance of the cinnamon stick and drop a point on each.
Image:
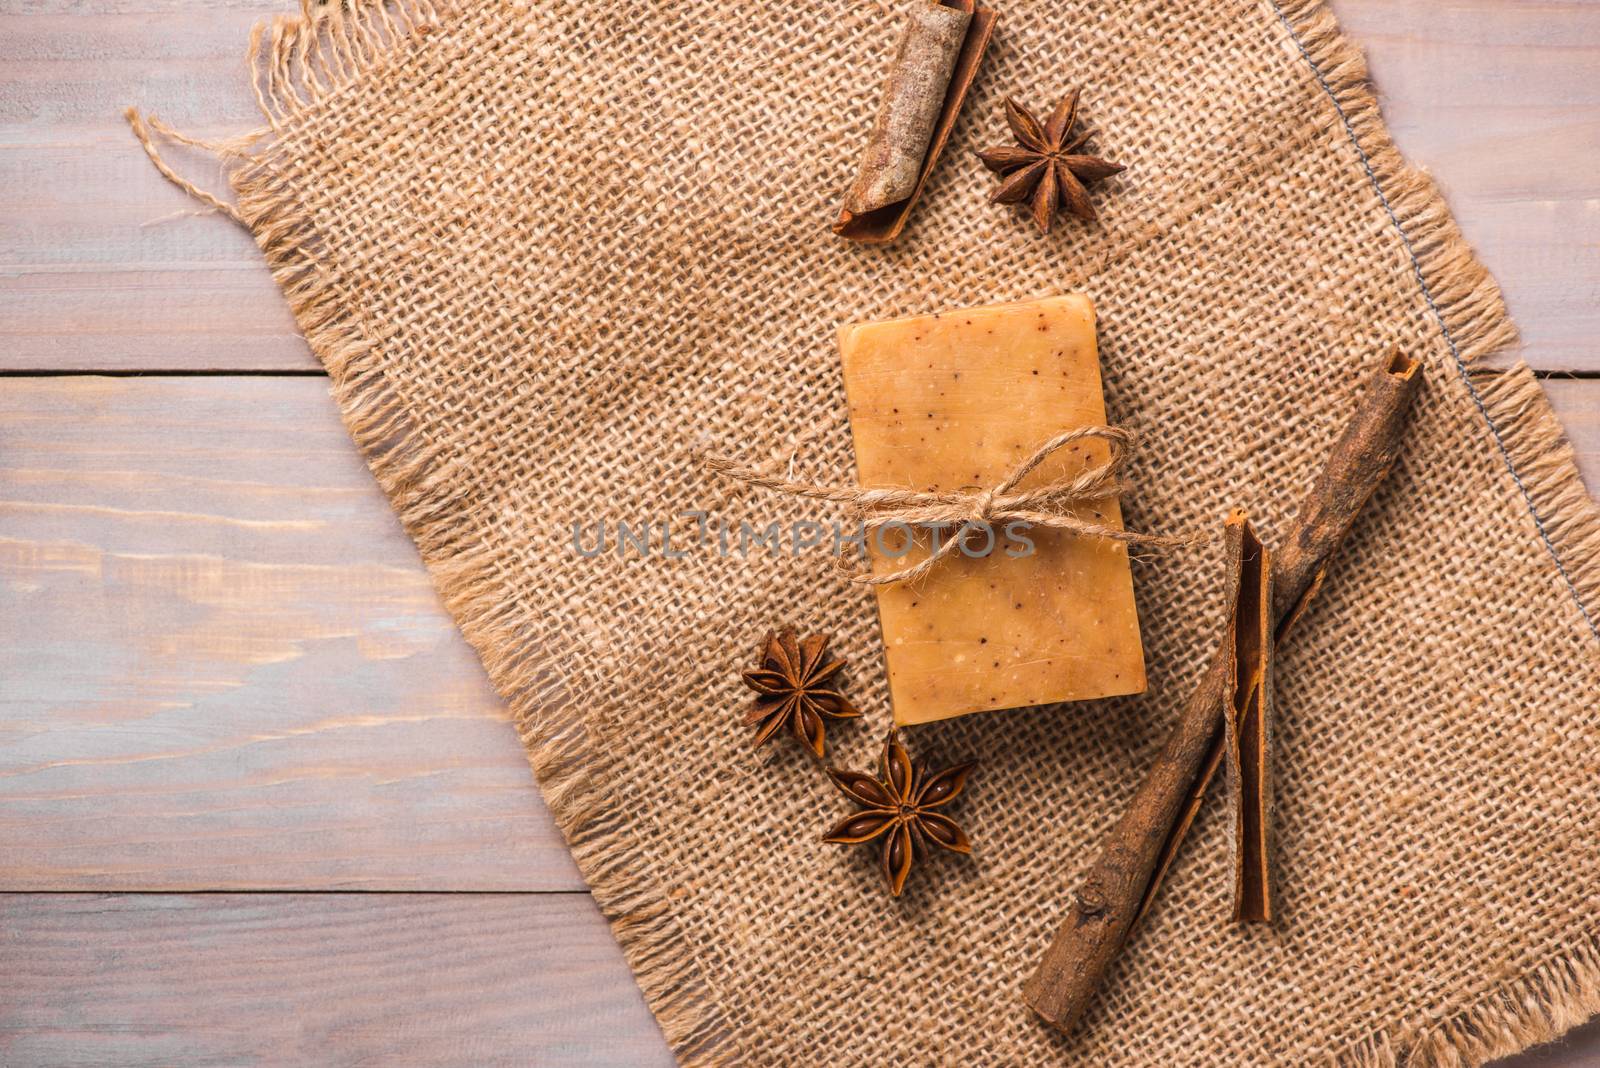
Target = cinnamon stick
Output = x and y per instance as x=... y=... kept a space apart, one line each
x=935 y=62
x=1245 y=652
x=1138 y=850
x=1247 y=720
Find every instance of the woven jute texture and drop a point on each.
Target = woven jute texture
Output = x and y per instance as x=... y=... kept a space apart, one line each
x=551 y=255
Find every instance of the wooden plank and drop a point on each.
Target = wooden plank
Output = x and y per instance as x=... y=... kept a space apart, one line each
x=104 y=266
x=228 y=668
x=1501 y=103
x=228 y=671
x=96 y=273
x=1577 y=403
x=224 y=663
x=331 y=979
x=267 y=979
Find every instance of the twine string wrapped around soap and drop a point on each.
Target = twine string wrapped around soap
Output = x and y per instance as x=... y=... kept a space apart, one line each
x=1050 y=506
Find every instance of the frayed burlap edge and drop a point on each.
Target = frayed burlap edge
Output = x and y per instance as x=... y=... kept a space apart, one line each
x=1563 y=991
x=1466 y=301
x=299 y=61
x=1548 y=1001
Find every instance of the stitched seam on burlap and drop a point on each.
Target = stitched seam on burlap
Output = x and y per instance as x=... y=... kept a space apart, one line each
x=1444 y=327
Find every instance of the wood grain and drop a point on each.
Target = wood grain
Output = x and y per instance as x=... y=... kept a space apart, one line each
x=1577 y=403
x=225 y=665
x=104 y=266
x=324 y=979
x=228 y=667
x=128 y=980
x=1501 y=103
x=97 y=272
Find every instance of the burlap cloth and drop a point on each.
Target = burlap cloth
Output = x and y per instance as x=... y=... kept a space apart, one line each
x=547 y=253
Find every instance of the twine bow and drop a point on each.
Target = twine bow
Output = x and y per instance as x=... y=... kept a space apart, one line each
x=971 y=510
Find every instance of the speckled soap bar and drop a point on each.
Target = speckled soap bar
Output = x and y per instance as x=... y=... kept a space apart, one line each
x=956 y=400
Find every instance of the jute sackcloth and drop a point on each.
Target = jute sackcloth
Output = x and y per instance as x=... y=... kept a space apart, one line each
x=552 y=254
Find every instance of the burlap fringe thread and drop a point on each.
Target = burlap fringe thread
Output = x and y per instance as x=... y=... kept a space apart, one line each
x=297 y=60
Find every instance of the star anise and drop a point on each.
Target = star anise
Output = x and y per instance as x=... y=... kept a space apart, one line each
x=792 y=688
x=899 y=808
x=1046 y=163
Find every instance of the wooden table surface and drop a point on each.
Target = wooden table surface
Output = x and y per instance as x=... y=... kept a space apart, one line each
x=258 y=803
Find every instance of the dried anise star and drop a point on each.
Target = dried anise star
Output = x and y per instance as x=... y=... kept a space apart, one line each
x=791 y=688
x=900 y=805
x=1045 y=164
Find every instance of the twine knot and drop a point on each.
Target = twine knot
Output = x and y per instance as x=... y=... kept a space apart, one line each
x=1052 y=505
x=983 y=506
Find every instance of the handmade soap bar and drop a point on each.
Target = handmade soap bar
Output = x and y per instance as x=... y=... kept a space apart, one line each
x=955 y=401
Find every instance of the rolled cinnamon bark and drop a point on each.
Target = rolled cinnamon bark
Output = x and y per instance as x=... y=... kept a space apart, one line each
x=1247 y=719
x=913 y=96
x=1137 y=851
x=936 y=61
